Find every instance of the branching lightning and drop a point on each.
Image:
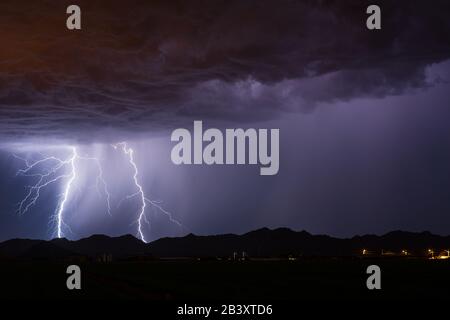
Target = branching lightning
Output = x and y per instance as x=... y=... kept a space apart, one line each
x=141 y=217
x=101 y=180
x=129 y=152
x=50 y=170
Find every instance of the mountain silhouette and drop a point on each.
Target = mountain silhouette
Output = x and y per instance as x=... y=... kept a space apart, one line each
x=281 y=242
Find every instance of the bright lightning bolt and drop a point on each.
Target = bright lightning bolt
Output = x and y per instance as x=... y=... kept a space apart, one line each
x=73 y=175
x=52 y=169
x=140 y=193
x=50 y=176
x=130 y=153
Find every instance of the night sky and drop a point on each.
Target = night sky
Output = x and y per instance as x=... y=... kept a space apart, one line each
x=364 y=116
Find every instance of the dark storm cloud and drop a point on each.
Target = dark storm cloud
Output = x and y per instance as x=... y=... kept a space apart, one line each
x=141 y=65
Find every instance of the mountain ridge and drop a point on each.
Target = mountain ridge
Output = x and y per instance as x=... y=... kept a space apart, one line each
x=263 y=242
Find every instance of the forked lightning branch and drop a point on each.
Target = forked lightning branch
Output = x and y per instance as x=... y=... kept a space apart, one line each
x=50 y=170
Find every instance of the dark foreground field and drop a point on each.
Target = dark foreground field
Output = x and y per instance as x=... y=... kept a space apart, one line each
x=229 y=281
